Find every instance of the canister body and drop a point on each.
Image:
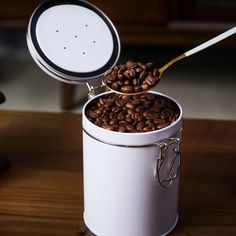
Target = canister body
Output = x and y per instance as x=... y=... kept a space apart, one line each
x=122 y=195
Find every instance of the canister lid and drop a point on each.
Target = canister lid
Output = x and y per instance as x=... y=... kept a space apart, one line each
x=73 y=41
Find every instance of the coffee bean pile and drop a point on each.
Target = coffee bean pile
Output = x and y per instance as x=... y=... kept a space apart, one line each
x=140 y=113
x=132 y=77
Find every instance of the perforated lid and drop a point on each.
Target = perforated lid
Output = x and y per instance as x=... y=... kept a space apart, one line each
x=73 y=41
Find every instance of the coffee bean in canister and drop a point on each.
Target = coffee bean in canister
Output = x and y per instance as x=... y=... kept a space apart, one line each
x=114 y=108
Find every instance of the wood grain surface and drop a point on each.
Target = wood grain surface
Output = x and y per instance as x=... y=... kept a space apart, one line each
x=42 y=193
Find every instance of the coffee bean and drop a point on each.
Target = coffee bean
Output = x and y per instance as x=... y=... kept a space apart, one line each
x=105 y=118
x=129 y=74
x=135 y=82
x=139 y=109
x=116 y=109
x=152 y=115
x=156 y=72
x=140 y=113
x=113 y=121
x=121 y=115
x=120 y=71
x=127 y=82
x=144 y=67
x=120 y=77
x=127 y=89
x=123 y=122
x=109 y=127
x=121 y=66
x=130 y=63
x=147 y=129
x=147 y=104
x=98 y=111
x=107 y=101
x=115 y=86
x=119 y=102
x=143 y=75
x=150 y=96
x=120 y=83
x=162 y=125
x=131 y=128
x=140 y=126
x=137 y=89
x=112 y=115
x=129 y=118
x=139 y=116
x=122 y=128
x=137 y=75
x=150 y=65
x=139 y=69
x=92 y=114
x=108 y=83
x=145 y=86
x=99 y=123
x=150 y=80
x=113 y=76
x=101 y=101
x=136 y=101
x=130 y=105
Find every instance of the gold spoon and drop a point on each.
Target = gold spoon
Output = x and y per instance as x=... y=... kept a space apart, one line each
x=180 y=57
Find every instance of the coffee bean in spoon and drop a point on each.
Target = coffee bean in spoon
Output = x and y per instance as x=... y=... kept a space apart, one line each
x=132 y=77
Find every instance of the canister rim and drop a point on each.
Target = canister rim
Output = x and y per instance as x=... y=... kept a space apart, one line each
x=132 y=139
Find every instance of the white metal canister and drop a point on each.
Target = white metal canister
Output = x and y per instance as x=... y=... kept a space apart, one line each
x=131 y=179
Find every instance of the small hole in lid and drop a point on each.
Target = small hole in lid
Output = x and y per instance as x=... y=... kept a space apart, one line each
x=83 y=53
x=86 y=25
x=64 y=47
x=57 y=31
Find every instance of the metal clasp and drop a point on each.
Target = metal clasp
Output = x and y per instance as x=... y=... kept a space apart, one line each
x=94 y=90
x=168 y=161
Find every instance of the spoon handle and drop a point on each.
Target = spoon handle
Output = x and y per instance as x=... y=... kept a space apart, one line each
x=211 y=42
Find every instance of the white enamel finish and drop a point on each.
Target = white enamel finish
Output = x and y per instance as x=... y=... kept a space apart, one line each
x=121 y=193
x=74 y=38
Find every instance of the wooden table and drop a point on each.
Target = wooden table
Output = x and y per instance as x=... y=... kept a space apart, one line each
x=42 y=193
